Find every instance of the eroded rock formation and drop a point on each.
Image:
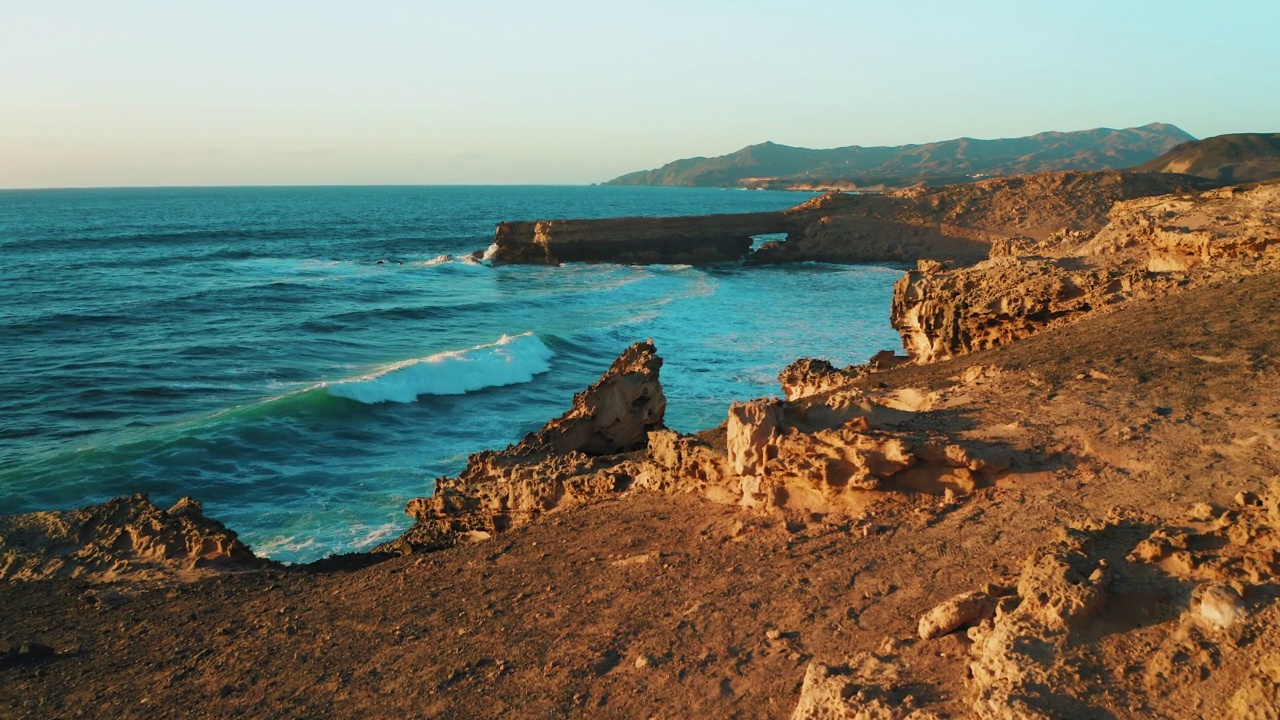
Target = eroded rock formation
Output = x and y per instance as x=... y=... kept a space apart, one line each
x=580 y=455
x=811 y=458
x=960 y=222
x=954 y=222
x=641 y=240
x=828 y=452
x=807 y=377
x=122 y=539
x=1150 y=247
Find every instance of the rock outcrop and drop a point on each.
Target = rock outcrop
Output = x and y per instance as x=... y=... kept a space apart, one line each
x=825 y=456
x=807 y=377
x=578 y=456
x=827 y=452
x=1150 y=246
x=126 y=538
x=866 y=688
x=636 y=240
x=955 y=222
x=961 y=222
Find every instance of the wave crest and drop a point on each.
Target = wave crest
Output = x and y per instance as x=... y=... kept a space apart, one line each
x=513 y=359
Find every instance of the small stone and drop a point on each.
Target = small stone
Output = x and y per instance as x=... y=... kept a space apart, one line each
x=1218 y=606
x=34 y=651
x=773 y=634
x=1202 y=512
x=1248 y=499
x=643 y=662
x=955 y=613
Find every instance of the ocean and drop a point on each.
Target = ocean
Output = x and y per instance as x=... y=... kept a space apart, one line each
x=305 y=360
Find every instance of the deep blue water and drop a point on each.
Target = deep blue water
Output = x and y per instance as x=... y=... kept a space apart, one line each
x=304 y=360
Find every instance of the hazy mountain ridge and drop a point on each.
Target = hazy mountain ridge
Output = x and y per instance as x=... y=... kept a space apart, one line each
x=772 y=165
x=1241 y=157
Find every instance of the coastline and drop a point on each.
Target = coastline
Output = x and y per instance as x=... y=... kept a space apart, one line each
x=1032 y=407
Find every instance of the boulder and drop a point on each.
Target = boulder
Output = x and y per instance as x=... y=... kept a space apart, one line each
x=127 y=538
x=957 y=612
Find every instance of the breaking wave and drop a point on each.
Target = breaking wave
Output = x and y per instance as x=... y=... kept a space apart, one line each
x=513 y=359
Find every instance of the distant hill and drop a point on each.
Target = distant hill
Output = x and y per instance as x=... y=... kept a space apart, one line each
x=781 y=166
x=1246 y=157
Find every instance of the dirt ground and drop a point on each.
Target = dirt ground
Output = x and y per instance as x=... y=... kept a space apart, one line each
x=660 y=606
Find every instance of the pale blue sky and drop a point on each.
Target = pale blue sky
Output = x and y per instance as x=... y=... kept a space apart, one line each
x=142 y=92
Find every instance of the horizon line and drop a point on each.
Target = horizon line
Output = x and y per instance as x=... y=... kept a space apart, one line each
x=57 y=188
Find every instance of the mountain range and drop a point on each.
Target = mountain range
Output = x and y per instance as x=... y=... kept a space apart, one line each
x=774 y=166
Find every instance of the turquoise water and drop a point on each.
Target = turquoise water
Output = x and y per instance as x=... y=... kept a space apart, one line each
x=304 y=360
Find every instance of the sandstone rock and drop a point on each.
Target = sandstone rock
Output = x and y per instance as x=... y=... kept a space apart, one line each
x=752 y=429
x=1150 y=246
x=865 y=689
x=807 y=377
x=962 y=222
x=1061 y=590
x=999 y=301
x=1235 y=550
x=693 y=239
x=122 y=539
x=955 y=613
x=614 y=415
x=576 y=457
x=1189 y=230
x=688 y=463
x=1217 y=606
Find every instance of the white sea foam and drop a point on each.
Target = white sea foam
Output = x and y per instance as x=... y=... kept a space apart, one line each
x=283 y=544
x=367 y=536
x=511 y=360
x=490 y=252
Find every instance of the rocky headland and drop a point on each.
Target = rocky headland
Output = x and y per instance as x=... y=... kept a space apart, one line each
x=953 y=223
x=638 y=240
x=1060 y=503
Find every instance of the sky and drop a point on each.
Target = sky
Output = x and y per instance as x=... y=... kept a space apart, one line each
x=180 y=92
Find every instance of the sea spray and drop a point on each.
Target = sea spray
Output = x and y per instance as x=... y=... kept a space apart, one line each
x=509 y=361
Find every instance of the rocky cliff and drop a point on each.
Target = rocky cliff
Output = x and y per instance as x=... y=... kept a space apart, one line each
x=957 y=223
x=640 y=240
x=960 y=222
x=580 y=455
x=831 y=449
x=1150 y=247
